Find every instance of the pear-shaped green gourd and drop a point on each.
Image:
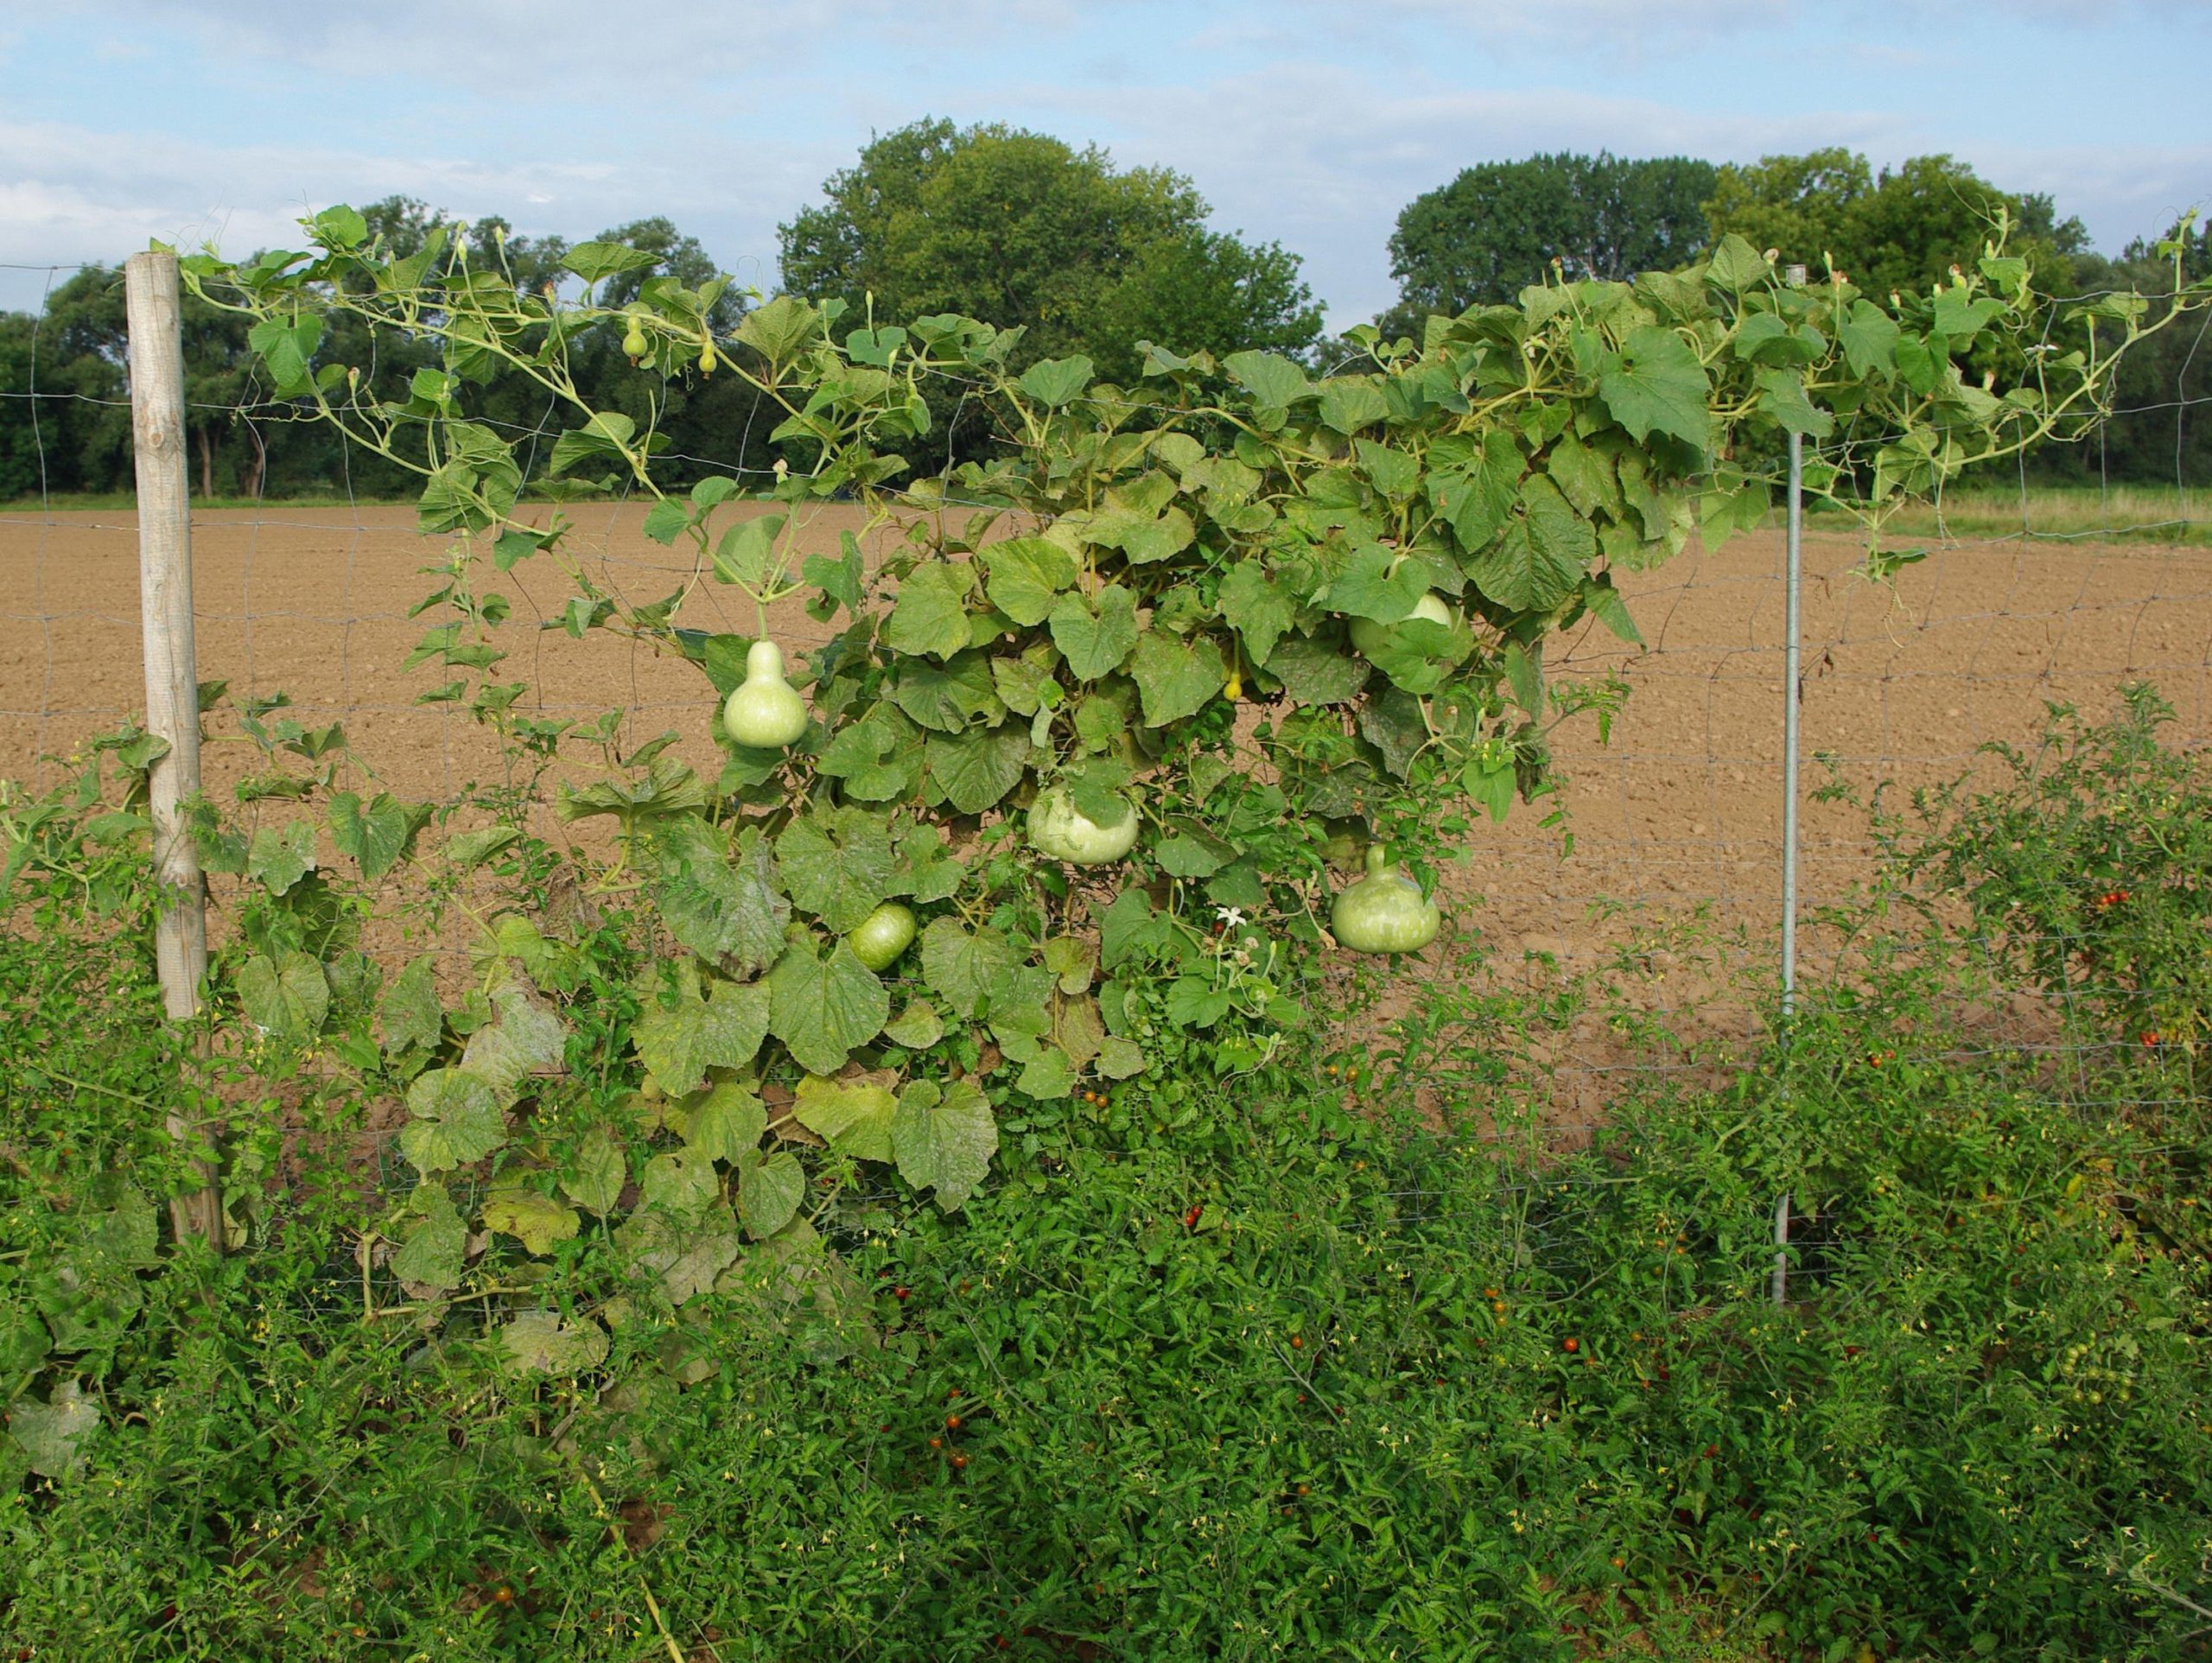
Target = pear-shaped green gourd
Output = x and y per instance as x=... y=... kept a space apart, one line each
x=879 y=939
x=1368 y=635
x=1060 y=829
x=763 y=711
x=1385 y=911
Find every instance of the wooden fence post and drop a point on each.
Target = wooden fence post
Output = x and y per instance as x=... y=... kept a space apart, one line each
x=157 y=431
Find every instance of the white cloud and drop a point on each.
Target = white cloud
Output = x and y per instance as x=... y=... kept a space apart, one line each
x=637 y=43
x=76 y=195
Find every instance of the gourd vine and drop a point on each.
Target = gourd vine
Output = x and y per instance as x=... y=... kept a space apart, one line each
x=1141 y=661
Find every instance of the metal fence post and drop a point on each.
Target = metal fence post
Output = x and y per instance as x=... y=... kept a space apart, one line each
x=157 y=429
x=1794 y=589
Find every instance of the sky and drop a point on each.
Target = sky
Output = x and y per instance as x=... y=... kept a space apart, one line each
x=1306 y=122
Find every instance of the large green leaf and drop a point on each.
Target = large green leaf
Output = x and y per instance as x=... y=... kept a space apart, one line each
x=377 y=834
x=596 y=1183
x=1026 y=574
x=1543 y=554
x=963 y=967
x=1782 y=396
x=918 y=1027
x=974 y=769
x=927 y=871
x=728 y=913
x=1584 y=475
x=822 y=1006
x=1375 y=584
x=436 y=1246
x=681 y=1181
x=1273 y=381
x=1478 y=494
x=457 y=1121
x=1095 y=636
x=745 y=554
x=668 y=787
x=410 y=1014
x=680 y=1034
x=725 y=1122
x=280 y=856
x=1657 y=386
x=780 y=328
x=769 y=1190
x=1260 y=609
x=1737 y=265
x=594 y=261
x=944 y=1138
x=1053 y=381
x=288 y=996
x=52 y=1434
x=838 y=864
x=1175 y=677
x=876 y=758
x=1145 y=542
x=1314 y=672
x=948 y=698
x=931 y=615
x=1047 y=1075
x=1350 y=402
x=1870 y=341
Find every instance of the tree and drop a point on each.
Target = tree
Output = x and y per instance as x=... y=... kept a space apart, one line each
x=76 y=435
x=2160 y=432
x=1498 y=227
x=1902 y=229
x=1018 y=229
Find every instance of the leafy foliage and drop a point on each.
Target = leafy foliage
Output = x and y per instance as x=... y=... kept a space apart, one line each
x=1499 y=227
x=1023 y=232
x=1905 y=228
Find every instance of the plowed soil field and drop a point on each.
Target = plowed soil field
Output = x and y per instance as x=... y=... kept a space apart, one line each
x=1679 y=811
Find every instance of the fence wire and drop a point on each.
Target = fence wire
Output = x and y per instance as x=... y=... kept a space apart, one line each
x=1675 y=818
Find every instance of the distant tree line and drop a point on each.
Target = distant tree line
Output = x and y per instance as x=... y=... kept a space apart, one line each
x=1021 y=230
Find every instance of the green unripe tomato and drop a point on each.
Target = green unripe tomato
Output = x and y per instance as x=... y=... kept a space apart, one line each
x=1385 y=911
x=763 y=711
x=1368 y=635
x=879 y=939
x=1058 y=829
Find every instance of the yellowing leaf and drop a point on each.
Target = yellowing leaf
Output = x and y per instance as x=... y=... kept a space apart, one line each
x=537 y=1221
x=540 y=1343
x=853 y=1118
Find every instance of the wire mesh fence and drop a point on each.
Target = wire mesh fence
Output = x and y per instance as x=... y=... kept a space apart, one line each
x=2029 y=595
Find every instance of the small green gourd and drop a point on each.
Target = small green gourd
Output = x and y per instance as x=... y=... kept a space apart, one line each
x=1060 y=829
x=1385 y=911
x=763 y=711
x=879 y=939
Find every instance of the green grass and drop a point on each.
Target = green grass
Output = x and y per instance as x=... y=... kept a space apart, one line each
x=2063 y=513
x=1243 y=1368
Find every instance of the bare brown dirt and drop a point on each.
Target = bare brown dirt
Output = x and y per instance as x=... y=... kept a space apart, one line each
x=1679 y=811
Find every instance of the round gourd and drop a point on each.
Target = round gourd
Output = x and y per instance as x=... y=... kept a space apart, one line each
x=879 y=939
x=762 y=710
x=1368 y=635
x=1385 y=911
x=1058 y=829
